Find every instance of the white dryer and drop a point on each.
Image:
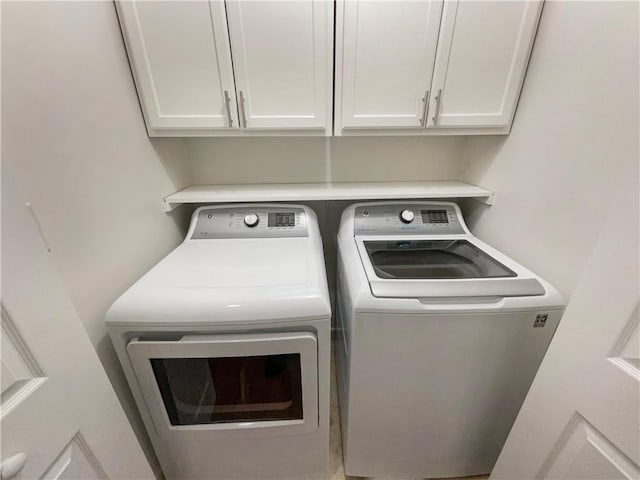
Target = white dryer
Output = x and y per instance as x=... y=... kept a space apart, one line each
x=226 y=343
x=440 y=338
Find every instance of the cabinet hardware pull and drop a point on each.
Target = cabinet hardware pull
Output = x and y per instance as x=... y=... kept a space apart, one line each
x=425 y=105
x=438 y=100
x=227 y=101
x=244 y=115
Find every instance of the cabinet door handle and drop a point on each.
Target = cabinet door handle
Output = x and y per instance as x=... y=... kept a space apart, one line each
x=438 y=100
x=244 y=115
x=227 y=102
x=425 y=106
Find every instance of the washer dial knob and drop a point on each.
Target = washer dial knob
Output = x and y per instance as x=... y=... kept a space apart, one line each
x=407 y=216
x=251 y=220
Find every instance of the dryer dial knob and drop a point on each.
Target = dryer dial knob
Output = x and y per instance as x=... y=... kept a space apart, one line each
x=251 y=219
x=406 y=216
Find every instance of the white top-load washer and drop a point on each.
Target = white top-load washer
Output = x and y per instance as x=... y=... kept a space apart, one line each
x=225 y=344
x=440 y=338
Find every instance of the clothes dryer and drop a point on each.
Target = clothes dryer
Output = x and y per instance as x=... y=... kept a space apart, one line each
x=226 y=343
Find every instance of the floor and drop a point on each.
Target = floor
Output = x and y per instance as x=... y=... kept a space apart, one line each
x=336 y=464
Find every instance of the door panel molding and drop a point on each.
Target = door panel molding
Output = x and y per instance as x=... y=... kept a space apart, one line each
x=581 y=446
x=625 y=353
x=19 y=364
x=76 y=460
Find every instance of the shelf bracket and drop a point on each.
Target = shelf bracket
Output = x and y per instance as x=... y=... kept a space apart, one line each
x=169 y=207
x=488 y=200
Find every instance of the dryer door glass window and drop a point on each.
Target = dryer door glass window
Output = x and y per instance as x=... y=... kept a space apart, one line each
x=432 y=259
x=230 y=389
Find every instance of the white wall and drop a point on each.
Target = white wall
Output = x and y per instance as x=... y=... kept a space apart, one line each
x=74 y=140
x=337 y=159
x=575 y=134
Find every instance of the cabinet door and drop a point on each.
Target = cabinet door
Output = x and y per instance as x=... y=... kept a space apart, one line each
x=384 y=61
x=283 y=63
x=483 y=51
x=181 y=61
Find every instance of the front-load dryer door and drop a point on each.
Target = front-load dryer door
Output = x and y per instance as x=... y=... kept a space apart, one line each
x=230 y=384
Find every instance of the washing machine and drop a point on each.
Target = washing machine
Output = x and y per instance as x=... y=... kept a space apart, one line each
x=226 y=343
x=440 y=337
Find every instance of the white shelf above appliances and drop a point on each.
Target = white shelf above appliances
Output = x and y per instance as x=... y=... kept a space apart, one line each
x=274 y=192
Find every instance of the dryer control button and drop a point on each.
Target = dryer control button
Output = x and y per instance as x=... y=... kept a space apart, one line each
x=251 y=219
x=407 y=216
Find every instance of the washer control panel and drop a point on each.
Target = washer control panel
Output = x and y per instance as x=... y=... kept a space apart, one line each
x=250 y=222
x=414 y=218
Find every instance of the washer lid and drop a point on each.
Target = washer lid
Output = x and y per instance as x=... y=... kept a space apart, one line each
x=442 y=267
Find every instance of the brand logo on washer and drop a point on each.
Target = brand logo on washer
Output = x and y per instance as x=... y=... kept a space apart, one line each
x=541 y=320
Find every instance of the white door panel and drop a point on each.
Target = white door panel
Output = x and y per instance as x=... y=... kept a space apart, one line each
x=76 y=462
x=483 y=50
x=57 y=397
x=581 y=416
x=283 y=62
x=584 y=453
x=19 y=368
x=385 y=52
x=181 y=60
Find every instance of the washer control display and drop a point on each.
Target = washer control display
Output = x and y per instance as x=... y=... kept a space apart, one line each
x=424 y=218
x=286 y=219
x=250 y=221
x=434 y=216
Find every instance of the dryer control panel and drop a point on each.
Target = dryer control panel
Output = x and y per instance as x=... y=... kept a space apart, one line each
x=410 y=218
x=249 y=221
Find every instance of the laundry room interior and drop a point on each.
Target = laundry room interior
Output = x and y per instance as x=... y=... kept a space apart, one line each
x=317 y=239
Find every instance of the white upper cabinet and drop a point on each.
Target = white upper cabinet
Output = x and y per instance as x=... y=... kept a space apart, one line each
x=431 y=67
x=266 y=67
x=482 y=57
x=181 y=61
x=283 y=63
x=207 y=68
x=385 y=52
